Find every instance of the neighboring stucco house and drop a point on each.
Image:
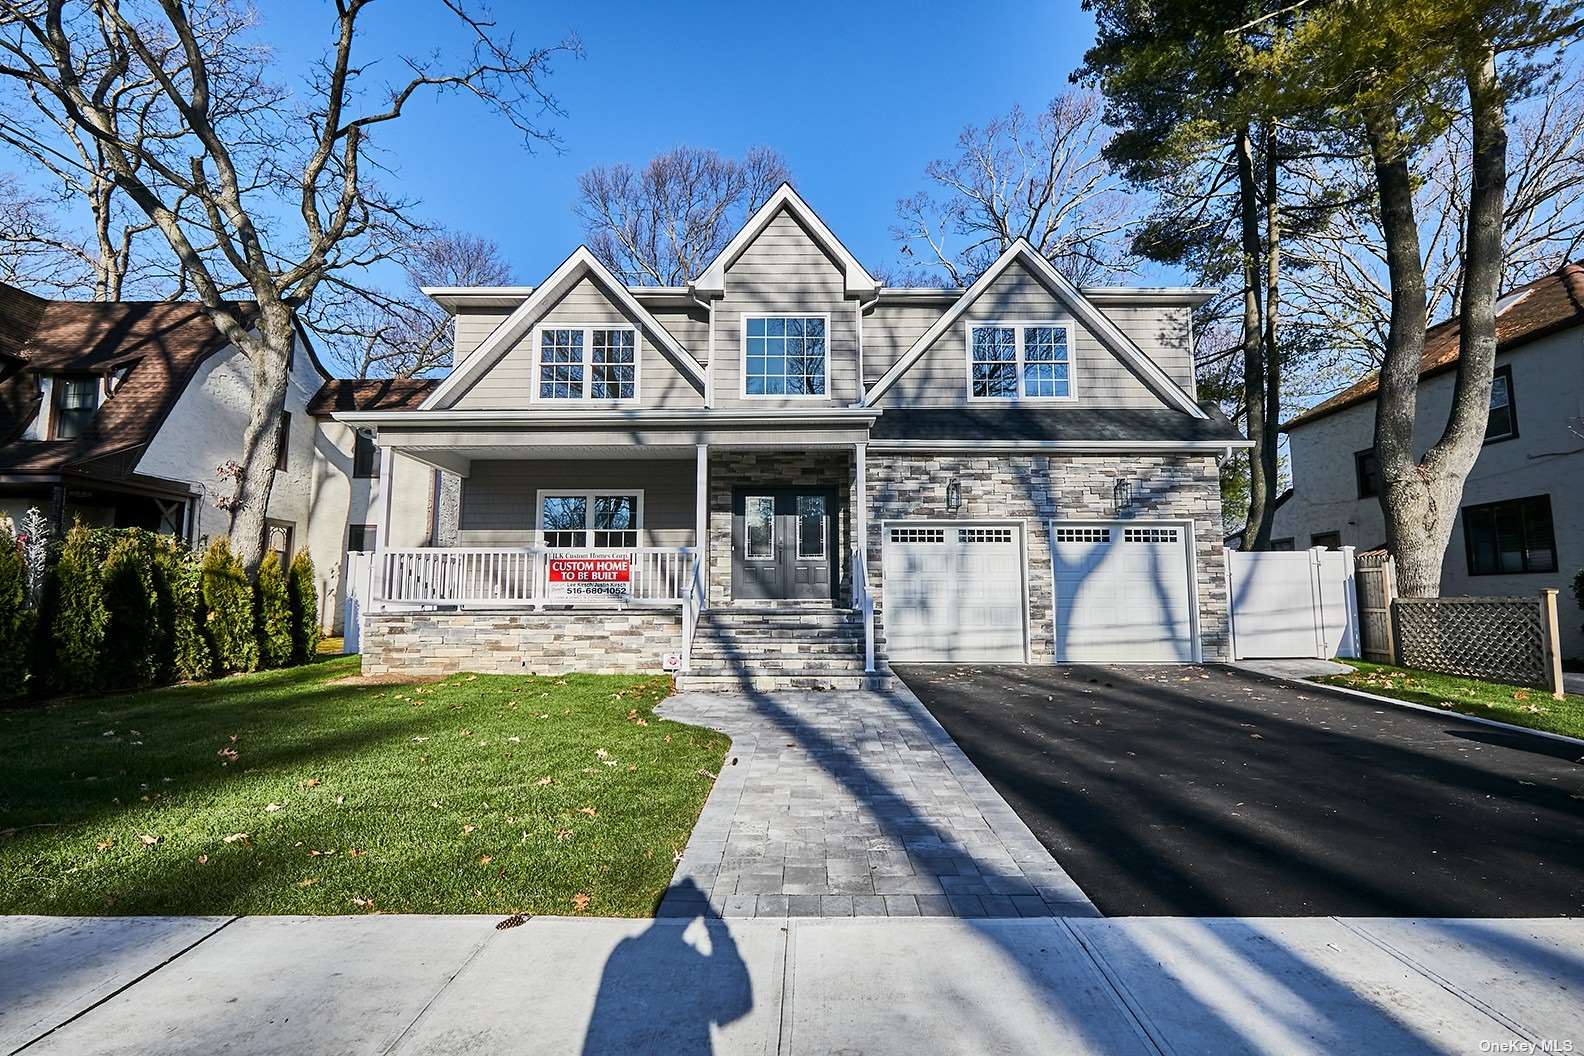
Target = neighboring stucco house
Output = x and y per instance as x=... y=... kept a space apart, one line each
x=787 y=474
x=1521 y=524
x=119 y=415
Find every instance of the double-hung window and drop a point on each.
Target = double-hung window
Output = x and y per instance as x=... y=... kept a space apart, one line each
x=76 y=400
x=784 y=355
x=587 y=363
x=1510 y=537
x=1020 y=361
x=597 y=520
x=1502 y=422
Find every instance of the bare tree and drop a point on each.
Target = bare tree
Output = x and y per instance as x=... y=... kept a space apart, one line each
x=405 y=334
x=34 y=251
x=1043 y=179
x=254 y=186
x=662 y=224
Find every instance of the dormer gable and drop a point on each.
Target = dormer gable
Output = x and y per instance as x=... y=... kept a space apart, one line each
x=857 y=281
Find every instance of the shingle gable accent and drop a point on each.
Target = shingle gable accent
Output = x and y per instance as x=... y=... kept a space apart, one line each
x=856 y=280
x=582 y=263
x=1084 y=310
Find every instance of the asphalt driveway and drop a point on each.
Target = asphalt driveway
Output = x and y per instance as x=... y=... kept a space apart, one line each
x=1206 y=791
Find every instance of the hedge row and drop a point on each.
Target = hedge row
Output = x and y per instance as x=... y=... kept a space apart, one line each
x=126 y=609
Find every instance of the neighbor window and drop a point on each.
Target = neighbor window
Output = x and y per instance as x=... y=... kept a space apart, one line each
x=360 y=537
x=1367 y=468
x=597 y=520
x=1510 y=537
x=1282 y=545
x=784 y=355
x=1329 y=540
x=588 y=364
x=1503 y=421
x=278 y=540
x=76 y=399
x=283 y=440
x=1010 y=361
x=365 y=457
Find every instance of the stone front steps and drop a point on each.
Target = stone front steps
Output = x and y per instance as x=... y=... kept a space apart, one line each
x=765 y=649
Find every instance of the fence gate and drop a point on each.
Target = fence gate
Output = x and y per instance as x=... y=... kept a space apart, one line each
x=1286 y=604
x=1376 y=574
x=359 y=577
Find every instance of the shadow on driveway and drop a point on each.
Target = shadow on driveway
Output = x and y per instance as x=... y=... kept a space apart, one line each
x=1210 y=792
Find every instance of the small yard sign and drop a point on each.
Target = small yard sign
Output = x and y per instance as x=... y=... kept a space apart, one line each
x=589 y=577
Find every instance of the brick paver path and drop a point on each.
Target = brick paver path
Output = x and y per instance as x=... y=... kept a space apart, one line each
x=855 y=804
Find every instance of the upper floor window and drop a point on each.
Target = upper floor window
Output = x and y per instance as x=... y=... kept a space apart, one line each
x=283 y=441
x=596 y=519
x=1503 y=421
x=592 y=363
x=76 y=400
x=1367 y=468
x=365 y=458
x=1015 y=361
x=784 y=355
x=1511 y=536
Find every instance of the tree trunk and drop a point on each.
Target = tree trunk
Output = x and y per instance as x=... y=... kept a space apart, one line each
x=1270 y=439
x=268 y=354
x=1253 y=361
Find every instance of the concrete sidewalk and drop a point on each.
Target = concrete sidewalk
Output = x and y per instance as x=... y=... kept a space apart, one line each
x=410 y=985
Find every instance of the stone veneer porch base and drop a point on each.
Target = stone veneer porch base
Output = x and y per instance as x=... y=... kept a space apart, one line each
x=552 y=642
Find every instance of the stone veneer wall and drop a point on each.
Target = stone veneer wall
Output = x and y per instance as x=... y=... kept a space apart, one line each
x=786 y=469
x=595 y=641
x=1038 y=488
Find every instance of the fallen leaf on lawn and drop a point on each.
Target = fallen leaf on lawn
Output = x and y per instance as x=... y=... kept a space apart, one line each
x=704 y=773
x=312 y=880
x=420 y=740
x=148 y=840
x=203 y=859
x=467 y=733
x=600 y=753
x=590 y=811
x=631 y=767
x=1520 y=695
x=561 y=834
x=612 y=762
x=234 y=837
x=340 y=800
x=545 y=781
x=103 y=845
x=353 y=852
x=228 y=753
x=272 y=808
x=312 y=782
x=515 y=740
x=485 y=859
x=363 y=903
x=471 y=678
x=468 y=828
x=580 y=901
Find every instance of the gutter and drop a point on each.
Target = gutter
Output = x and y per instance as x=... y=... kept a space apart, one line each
x=1196 y=446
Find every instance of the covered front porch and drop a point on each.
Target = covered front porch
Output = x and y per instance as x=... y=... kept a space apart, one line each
x=570 y=537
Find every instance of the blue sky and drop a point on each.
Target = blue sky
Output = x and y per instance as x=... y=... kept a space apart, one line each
x=857 y=96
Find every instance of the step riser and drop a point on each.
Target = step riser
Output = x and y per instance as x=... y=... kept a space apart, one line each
x=779 y=684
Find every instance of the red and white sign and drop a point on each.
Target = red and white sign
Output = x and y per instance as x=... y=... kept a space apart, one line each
x=589 y=576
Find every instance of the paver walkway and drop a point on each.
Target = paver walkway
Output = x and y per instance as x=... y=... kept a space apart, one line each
x=855 y=804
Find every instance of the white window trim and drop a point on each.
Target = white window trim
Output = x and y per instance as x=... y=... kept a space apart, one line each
x=1018 y=326
x=588 y=513
x=742 y=355
x=588 y=365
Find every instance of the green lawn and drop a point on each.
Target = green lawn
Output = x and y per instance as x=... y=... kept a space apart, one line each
x=1518 y=705
x=309 y=791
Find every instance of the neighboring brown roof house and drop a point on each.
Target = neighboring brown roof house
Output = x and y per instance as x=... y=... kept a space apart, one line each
x=162 y=342
x=1546 y=305
x=370 y=394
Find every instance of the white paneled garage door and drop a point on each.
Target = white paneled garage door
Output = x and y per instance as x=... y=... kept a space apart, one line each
x=1123 y=592
x=953 y=592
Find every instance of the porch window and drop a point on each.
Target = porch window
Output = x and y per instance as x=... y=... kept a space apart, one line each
x=1011 y=361
x=784 y=355
x=596 y=520
x=594 y=363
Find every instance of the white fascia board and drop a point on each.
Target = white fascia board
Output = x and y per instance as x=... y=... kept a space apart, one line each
x=522 y=319
x=789 y=417
x=856 y=279
x=457 y=298
x=1083 y=310
x=1099 y=446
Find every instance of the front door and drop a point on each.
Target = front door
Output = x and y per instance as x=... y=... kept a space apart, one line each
x=783 y=543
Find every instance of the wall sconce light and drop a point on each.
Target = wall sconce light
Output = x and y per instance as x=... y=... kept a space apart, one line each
x=1121 y=496
x=953 y=496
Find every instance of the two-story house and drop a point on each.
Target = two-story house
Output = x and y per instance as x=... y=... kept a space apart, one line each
x=1518 y=530
x=119 y=414
x=787 y=474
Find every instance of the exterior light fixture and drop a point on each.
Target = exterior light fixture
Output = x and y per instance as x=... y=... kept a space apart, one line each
x=953 y=496
x=1122 y=495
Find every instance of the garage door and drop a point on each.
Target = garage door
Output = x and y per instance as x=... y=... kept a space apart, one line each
x=1122 y=593
x=954 y=592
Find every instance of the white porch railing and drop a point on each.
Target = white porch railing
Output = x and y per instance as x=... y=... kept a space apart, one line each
x=531 y=577
x=863 y=601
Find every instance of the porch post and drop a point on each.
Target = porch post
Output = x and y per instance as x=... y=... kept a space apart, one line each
x=701 y=519
x=860 y=500
x=382 y=530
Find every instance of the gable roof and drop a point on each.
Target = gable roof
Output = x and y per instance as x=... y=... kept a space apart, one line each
x=161 y=342
x=370 y=394
x=1022 y=251
x=855 y=279
x=504 y=337
x=1550 y=303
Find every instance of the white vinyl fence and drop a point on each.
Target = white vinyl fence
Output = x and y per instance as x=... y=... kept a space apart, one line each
x=1293 y=604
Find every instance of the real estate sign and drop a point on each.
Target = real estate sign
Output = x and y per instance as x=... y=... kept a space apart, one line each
x=588 y=576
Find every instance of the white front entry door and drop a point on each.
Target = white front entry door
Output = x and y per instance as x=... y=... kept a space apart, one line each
x=1123 y=592
x=953 y=592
